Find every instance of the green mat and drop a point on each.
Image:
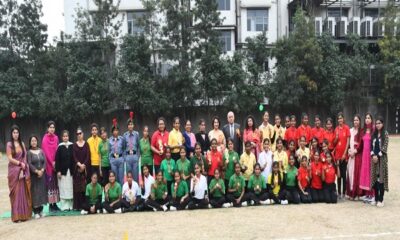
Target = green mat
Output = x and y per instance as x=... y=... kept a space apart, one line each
x=46 y=211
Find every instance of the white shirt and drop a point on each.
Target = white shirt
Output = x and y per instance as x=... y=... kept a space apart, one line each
x=148 y=181
x=200 y=188
x=265 y=158
x=130 y=194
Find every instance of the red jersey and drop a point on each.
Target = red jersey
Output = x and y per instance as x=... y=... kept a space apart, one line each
x=304 y=131
x=330 y=173
x=344 y=134
x=302 y=176
x=330 y=136
x=316 y=172
x=318 y=133
x=159 y=141
x=291 y=134
x=216 y=161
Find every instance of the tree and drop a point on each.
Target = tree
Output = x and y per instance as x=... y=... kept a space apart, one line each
x=176 y=45
x=297 y=56
x=390 y=54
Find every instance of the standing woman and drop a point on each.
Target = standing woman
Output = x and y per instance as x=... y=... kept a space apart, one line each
x=318 y=131
x=266 y=129
x=93 y=143
x=81 y=156
x=342 y=142
x=354 y=164
x=145 y=151
x=279 y=132
x=304 y=129
x=252 y=134
x=19 y=181
x=159 y=142
x=65 y=167
x=202 y=137
x=37 y=166
x=190 y=139
x=117 y=153
x=365 y=149
x=217 y=134
x=291 y=132
x=175 y=139
x=379 y=169
x=49 y=147
x=104 y=151
x=329 y=134
x=131 y=149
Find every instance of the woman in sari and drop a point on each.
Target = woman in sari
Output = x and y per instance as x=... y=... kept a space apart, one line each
x=81 y=155
x=218 y=135
x=354 y=163
x=49 y=148
x=19 y=181
x=252 y=134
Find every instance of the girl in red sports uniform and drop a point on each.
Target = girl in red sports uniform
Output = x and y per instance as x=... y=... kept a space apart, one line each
x=342 y=141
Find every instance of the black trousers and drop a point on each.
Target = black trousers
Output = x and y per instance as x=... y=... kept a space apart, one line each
x=330 y=193
x=111 y=209
x=305 y=198
x=256 y=197
x=169 y=184
x=292 y=195
x=342 y=180
x=217 y=202
x=379 y=191
x=136 y=206
x=157 y=204
x=278 y=198
x=176 y=202
x=231 y=198
x=106 y=173
x=317 y=195
x=195 y=203
x=86 y=206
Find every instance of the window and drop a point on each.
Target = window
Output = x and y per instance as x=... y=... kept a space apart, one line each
x=134 y=19
x=336 y=12
x=226 y=41
x=257 y=20
x=224 y=5
x=371 y=12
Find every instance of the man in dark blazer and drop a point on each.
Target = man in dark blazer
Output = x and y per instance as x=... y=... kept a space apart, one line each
x=232 y=130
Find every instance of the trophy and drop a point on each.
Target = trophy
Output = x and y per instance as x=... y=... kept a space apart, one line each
x=161 y=147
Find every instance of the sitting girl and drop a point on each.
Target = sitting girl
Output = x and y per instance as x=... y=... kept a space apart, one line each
x=217 y=190
x=158 y=199
x=180 y=193
x=198 y=189
x=276 y=185
x=257 y=188
x=113 y=191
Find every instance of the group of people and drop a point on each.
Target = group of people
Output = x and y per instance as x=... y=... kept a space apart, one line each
x=278 y=163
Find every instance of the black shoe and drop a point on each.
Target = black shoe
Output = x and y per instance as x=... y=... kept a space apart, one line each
x=56 y=208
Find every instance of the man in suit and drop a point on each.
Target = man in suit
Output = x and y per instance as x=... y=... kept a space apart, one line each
x=232 y=130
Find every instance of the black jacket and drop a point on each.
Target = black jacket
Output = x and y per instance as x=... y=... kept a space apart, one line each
x=64 y=159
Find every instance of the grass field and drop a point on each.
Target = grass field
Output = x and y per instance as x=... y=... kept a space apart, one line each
x=345 y=220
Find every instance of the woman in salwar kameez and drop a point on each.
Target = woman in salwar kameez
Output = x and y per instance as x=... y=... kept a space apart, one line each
x=49 y=147
x=19 y=181
x=354 y=163
x=81 y=155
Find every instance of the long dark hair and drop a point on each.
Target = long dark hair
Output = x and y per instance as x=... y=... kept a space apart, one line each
x=276 y=164
x=247 y=123
x=364 y=129
x=30 y=139
x=13 y=150
x=376 y=132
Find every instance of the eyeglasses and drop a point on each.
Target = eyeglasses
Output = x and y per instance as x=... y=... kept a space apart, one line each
x=78 y=133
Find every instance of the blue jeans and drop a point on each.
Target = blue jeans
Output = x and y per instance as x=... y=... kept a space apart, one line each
x=132 y=164
x=117 y=166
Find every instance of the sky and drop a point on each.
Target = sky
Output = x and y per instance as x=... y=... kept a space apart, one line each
x=53 y=17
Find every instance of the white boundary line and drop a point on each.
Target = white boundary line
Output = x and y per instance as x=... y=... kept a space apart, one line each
x=363 y=235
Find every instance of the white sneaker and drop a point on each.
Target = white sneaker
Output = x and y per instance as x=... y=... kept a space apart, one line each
x=226 y=205
x=268 y=201
x=265 y=202
x=362 y=198
x=272 y=201
x=284 y=202
x=251 y=202
x=36 y=216
x=118 y=210
x=372 y=202
x=42 y=214
x=98 y=211
x=105 y=211
x=155 y=209
x=164 y=208
x=172 y=208
x=380 y=204
x=244 y=204
x=209 y=206
x=83 y=212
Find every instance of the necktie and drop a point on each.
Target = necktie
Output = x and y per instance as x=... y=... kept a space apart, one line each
x=232 y=135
